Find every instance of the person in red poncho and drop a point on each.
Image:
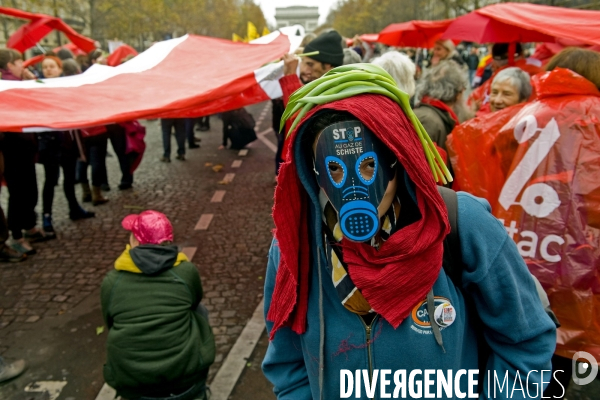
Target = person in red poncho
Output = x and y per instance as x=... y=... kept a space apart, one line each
x=537 y=164
x=502 y=59
x=355 y=278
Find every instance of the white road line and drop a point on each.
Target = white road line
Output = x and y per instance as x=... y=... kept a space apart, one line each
x=262 y=115
x=106 y=393
x=268 y=143
x=236 y=360
x=229 y=177
x=204 y=222
x=236 y=164
x=263 y=133
x=243 y=152
x=189 y=252
x=218 y=196
x=52 y=388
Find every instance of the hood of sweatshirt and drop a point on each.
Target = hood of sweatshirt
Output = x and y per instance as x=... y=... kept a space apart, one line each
x=149 y=259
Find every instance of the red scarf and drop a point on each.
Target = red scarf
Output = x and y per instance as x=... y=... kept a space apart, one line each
x=440 y=105
x=404 y=269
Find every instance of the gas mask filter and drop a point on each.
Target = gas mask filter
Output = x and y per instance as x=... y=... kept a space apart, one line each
x=354 y=169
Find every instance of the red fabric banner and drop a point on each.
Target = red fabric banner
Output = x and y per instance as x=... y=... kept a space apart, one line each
x=187 y=76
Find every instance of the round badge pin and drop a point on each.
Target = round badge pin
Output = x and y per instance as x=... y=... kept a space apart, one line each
x=445 y=314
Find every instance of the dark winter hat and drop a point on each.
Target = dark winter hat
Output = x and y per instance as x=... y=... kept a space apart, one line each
x=64 y=54
x=329 y=46
x=500 y=51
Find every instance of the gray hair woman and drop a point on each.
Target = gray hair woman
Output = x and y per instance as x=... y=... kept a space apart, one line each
x=510 y=86
x=401 y=68
x=441 y=104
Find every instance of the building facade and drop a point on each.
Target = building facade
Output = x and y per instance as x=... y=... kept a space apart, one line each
x=308 y=17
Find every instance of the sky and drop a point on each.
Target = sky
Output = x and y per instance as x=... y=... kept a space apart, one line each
x=268 y=7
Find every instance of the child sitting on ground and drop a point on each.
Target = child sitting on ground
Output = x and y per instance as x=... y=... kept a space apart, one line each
x=159 y=344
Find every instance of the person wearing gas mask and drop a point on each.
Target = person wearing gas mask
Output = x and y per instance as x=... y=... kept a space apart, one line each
x=355 y=279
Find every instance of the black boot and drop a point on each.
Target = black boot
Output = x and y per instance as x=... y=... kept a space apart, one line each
x=80 y=213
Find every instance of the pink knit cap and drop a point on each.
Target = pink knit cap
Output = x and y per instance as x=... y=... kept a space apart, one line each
x=149 y=227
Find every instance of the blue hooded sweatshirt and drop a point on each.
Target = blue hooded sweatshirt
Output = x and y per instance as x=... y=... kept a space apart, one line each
x=408 y=362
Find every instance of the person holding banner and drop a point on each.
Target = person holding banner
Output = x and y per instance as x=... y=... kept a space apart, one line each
x=330 y=54
x=56 y=151
x=19 y=150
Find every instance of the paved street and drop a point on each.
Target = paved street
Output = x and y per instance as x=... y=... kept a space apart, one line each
x=49 y=305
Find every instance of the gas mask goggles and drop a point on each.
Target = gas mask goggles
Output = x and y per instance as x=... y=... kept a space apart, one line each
x=354 y=169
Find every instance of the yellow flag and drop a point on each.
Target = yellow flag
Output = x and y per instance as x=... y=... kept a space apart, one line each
x=252 y=31
x=265 y=31
x=237 y=38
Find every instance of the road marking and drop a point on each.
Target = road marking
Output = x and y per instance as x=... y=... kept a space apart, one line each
x=236 y=360
x=106 y=393
x=218 y=196
x=189 y=252
x=229 y=177
x=262 y=116
x=243 y=152
x=204 y=222
x=52 y=388
x=263 y=133
x=236 y=164
x=268 y=143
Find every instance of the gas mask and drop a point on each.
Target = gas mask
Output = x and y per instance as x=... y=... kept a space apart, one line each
x=354 y=169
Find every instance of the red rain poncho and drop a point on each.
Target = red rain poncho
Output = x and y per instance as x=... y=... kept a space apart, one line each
x=538 y=164
x=481 y=96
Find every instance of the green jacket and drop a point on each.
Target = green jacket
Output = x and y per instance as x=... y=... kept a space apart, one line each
x=157 y=343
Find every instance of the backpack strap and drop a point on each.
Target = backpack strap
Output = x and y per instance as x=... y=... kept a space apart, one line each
x=453 y=266
x=452 y=261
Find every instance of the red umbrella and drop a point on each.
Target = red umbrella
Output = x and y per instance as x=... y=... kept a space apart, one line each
x=119 y=54
x=29 y=34
x=545 y=51
x=413 y=33
x=524 y=22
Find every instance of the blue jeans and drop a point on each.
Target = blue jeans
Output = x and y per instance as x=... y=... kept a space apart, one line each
x=167 y=124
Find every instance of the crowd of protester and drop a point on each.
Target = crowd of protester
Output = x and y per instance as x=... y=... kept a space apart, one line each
x=450 y=86
x=70 y=152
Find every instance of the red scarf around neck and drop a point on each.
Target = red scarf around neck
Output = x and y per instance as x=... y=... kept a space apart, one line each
x=395 y=277
x=440 y=105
